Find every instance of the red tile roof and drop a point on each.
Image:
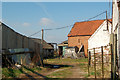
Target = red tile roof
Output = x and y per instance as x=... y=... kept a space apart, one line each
x=85 y=28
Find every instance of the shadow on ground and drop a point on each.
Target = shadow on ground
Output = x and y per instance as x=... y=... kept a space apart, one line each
x=53 y=66
x=34 y=73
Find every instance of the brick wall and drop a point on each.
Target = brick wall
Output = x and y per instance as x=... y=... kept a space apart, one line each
x=78 y=41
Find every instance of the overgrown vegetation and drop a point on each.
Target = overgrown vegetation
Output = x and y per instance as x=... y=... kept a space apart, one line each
x=10 y=72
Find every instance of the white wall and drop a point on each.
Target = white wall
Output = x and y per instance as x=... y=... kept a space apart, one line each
x=100 y=36
x=115 y=15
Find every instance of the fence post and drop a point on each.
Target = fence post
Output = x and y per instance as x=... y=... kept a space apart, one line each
x=112 y=56
x=94 y=62
x=115 y=54
x=88 y=63
x=111 y=51
x=102 y=62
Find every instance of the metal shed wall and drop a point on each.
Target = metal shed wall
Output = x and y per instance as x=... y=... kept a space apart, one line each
x=31 y=44
x=25 y=42
x=4 y=37
x=11 y=39
x=19 y=40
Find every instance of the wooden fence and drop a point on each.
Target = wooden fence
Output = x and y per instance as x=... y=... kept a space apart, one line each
x=99 y=62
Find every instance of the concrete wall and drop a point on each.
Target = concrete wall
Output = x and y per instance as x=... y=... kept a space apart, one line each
x=101 y=37
x=78 y=41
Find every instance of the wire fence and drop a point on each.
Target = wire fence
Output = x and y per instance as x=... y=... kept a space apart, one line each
x=99 y=62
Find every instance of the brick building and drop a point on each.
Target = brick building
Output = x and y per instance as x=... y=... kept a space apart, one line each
x=81 y=32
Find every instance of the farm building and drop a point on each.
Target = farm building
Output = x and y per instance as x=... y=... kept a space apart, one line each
x=48 y=49
x=61 y=48
x=84 y=34
x=115 y=37
x=101 y=37
x=21 y=49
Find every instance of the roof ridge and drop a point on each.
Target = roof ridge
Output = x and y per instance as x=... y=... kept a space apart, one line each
x=85 y=28
x=91 y=20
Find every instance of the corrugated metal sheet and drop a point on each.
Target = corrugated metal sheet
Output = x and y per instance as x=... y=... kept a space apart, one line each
x=45 y=44
x=14 y=40
x=11 y=39
x=25 y=42
x=19 y=41
x=4 y=37
x=31 y=44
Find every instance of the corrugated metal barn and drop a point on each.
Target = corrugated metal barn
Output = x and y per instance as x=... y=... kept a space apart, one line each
x=20 y=47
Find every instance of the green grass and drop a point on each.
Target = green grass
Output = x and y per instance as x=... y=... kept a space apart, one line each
x=36 y=69
x=9 y=72
x=82 y=63
x=66 y=60
x=60 y=74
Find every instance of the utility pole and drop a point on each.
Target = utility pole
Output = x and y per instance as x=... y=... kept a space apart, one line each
x=42 y=43
x=42 y=64
x=107 y=20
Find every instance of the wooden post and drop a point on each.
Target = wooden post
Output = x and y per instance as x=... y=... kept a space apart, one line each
x=42 y=48
x=38 y=53
x=94 y=62
x=115 y=54
x=107 y=20
x=111 y=51
x=88 y=63
x=102 y=62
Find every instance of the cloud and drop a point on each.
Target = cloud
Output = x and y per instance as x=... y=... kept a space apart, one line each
x=44 y=9
x=46 y=22
x=26 y=24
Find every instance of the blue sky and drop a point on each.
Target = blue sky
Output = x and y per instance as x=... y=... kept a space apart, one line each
x=30 y=17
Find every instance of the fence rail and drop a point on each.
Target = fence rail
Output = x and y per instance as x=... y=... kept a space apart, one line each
x=99 y=61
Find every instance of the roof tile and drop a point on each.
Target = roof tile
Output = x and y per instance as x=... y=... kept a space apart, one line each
x=85 y=28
